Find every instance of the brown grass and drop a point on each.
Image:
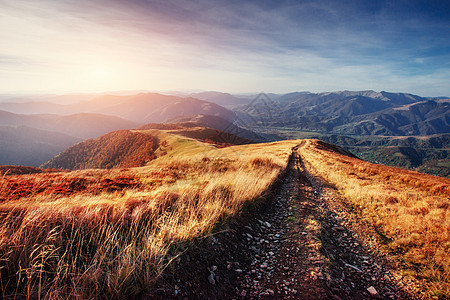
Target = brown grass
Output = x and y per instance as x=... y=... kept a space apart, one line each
x=111 y=233
x=409 y=208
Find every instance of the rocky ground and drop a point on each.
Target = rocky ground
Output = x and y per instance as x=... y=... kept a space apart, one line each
x=301 y=242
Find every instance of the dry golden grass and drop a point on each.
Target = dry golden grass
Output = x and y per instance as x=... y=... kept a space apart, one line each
x=411 y=209
x=111 y=233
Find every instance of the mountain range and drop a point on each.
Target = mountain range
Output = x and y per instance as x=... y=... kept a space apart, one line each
x=141 y=108
x=351 y=113
x=223 y=99
x=81 y=125
x=347 y=118
x=50 y=128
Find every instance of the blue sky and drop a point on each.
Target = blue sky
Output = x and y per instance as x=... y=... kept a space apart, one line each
x=64 y=46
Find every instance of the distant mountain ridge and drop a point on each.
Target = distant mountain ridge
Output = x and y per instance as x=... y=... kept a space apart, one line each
x=81 y=125
x=33 y=139
x=26 y=146
x=140 y=108
x=353 y=113
x=223 y=99
x=218 y=123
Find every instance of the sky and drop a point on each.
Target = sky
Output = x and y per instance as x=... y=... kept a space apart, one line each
x=66 y=46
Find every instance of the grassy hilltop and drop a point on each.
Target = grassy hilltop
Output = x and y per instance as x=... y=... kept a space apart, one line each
x=107 y=232
x=112 y=232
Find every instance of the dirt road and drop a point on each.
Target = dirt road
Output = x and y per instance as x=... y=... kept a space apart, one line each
x=304 y=242
x=314 y=249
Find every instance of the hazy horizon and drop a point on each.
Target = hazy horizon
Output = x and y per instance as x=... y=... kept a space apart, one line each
x=72 y=97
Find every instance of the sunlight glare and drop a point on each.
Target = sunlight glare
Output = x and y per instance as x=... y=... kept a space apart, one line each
x=101 y=73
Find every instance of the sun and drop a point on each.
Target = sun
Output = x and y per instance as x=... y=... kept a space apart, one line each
x=98 y=76
x=101 y=73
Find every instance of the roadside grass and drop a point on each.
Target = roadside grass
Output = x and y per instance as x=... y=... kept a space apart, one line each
x=411 y=210
x=111 y=233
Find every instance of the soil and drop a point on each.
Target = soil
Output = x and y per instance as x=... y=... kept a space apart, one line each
x=301 y=240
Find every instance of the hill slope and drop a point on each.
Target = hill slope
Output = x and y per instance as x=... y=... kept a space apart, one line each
x=427 y=154
x=118 y=149
x=22 y=145
x=81 y=125
x=407 y=211
x=135 y=148
x=111 y=231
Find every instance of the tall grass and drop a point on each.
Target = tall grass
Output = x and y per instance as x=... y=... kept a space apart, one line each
x=113 y=237
x=412 y=210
